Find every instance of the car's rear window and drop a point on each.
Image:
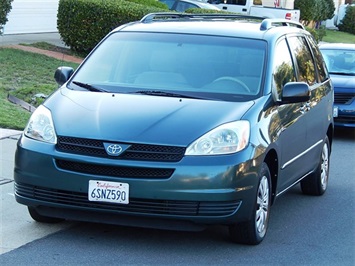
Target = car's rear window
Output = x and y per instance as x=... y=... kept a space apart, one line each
x=197 y=64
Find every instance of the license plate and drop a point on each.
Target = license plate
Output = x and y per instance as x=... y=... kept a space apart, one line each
x=335 y=111
x=105 y=191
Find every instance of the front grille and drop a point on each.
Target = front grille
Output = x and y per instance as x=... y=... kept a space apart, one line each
x=345 y=119
x=143 y=206
x=343 y=98
x=114 y=171
x=140 y=152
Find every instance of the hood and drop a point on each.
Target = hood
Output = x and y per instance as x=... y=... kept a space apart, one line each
x=343 y=81
x=138 y=118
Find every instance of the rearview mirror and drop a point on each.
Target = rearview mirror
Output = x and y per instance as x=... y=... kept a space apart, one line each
x=295 y=92
x=62 y=74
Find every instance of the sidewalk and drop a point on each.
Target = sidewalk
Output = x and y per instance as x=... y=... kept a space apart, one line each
x=15 y=41
x=11 y=39
x=9 y=133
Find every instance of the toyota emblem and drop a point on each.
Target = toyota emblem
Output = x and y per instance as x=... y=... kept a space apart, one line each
x=113 y=149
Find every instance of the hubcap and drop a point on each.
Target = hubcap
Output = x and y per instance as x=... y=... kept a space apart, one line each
x=324 y=167
x=262 y=210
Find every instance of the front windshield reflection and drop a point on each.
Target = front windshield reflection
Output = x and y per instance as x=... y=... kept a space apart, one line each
x=126 y=62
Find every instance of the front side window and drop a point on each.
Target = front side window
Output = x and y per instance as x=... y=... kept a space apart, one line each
x=283 y=70
x=193 y=64
x=304 y=60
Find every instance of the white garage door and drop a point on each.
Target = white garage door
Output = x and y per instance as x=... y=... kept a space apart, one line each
x=32 y=16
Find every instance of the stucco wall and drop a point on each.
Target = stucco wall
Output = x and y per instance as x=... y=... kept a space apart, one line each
x=32 y=16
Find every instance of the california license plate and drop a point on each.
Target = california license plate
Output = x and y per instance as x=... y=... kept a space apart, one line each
x=105 y=191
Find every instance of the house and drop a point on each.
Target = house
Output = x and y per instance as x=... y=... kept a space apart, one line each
x=32 y=16
x=329 y=23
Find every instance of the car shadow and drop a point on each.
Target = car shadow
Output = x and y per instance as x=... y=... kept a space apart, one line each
x=344 y=133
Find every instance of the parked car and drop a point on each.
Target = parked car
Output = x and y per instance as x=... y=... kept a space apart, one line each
x=340 y=60
x=183 y=5
x=266 y=9
x=182 y=121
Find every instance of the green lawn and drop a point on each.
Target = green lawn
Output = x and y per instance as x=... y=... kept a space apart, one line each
x=338 y=36
x=23 y=75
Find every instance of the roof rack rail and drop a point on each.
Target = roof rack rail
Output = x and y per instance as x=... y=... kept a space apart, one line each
x=175 y=15
x=274 y=22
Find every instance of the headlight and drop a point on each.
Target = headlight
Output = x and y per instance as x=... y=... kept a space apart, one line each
x=227 y=138
x=40 y=126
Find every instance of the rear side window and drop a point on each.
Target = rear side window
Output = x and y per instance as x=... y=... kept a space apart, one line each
x=283 y=70
x=304 y=60
x=320 y=64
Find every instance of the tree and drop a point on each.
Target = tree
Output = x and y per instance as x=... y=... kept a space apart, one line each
x=315 y=10
x=347 y=24
x=5 y=7
x=326 y=10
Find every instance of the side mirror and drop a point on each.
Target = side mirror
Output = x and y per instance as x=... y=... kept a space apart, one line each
x=295 y=92
x=62 y=74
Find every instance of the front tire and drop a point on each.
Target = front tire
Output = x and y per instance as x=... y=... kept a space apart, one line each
x=35 y=215
x=317 y=182
x=252 y=232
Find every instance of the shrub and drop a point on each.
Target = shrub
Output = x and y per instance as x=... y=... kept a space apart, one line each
x=5 y=7
x=83 y=23
x=347 y=24
x=318 y=34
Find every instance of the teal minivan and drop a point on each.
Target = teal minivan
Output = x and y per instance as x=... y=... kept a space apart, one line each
x=182 y=121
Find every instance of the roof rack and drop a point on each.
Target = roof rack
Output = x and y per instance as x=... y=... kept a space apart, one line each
x=274 y=22
x=183 y=16
x=266 y=23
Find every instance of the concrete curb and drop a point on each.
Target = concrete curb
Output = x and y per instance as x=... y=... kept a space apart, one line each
x=9 y=133
x=57 y=55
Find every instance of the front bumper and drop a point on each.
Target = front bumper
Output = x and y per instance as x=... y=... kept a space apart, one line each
x=201 y=190
x=345 y=103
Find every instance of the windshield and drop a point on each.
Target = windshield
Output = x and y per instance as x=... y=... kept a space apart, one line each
x=193 y=65
x=339 y=61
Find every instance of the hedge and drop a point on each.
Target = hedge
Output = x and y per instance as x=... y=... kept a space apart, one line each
x=83 y=23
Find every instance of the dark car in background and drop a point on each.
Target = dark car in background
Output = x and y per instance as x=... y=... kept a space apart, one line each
x=340 y=60
x=182 y=121
x=183 y=5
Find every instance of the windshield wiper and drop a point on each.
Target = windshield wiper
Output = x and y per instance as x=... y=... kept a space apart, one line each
x=343 y=73
x=167 y=94
x=89 y=87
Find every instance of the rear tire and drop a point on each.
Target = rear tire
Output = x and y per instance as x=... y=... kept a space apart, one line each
x=252 y=232
x=41 y=218
x=317 y=182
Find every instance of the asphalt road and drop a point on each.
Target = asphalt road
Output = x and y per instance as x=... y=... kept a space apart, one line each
x=304 y=230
